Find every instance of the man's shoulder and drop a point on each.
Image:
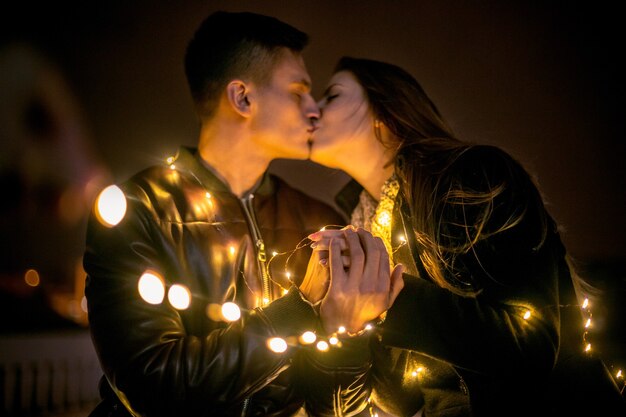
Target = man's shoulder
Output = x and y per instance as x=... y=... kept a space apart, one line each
x=300 y=200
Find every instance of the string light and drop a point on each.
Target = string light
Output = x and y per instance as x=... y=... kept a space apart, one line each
x=179 y=297
x=307 y=338
x=277 y=344
x=110 y=206
x=151 y=288
x=230 y=311
x=527 y=315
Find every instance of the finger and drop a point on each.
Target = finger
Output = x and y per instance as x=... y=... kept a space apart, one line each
x=357 y=256
x=384 y=269
x=371 y=271
x=321 y=234
x=344 y=259
x=397 y=283
x=337 y=273
x=324 y=242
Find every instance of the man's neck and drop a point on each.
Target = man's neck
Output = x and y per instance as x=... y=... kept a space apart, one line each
x=233 y=158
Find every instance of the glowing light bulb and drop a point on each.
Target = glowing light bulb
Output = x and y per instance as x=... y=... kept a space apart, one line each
x=231 y=311
x=619 y=374
x=285 y=291
x=333 y=340
x=274 y=253
x=208 y=195
x=588 y=324
x=384 y=218
x=265 y=301
x=586 y=303
x=179 y=297
x=151 y=288
x=341 y=329
x=277 y=344
x=322 y=346
x=288 y=275
x=402 y=239
x=111 y=206
x=308 y=337
x=231 y=250
x=368 y=327
x=588 y=347
x=322 y=229
x=169 y=160
x=31 y=277
x=172 y=167
x=527 y=315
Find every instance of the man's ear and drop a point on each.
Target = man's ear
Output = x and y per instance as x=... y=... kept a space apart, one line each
x=238 y=93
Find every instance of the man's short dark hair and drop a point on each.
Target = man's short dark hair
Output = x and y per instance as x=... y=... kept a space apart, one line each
x=230 y=45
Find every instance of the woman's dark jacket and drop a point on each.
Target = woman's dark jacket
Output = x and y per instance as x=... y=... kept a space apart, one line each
x=185 y=225
x=479 y=355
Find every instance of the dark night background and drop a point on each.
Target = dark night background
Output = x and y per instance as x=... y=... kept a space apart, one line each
x=543 y=80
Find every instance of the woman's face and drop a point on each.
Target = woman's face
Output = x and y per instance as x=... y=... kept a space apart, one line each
x=346 y=126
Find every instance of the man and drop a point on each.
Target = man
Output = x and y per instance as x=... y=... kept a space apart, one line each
x=199 y=232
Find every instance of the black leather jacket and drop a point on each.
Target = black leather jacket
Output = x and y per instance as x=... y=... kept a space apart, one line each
x=184 y=225
x=461 y=356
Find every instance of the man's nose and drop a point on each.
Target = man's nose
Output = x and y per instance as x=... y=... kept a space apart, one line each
x=312 y=111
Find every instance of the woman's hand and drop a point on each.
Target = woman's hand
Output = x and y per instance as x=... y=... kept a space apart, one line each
x=360 y=292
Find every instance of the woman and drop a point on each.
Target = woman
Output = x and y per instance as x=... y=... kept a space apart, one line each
x=488 y=306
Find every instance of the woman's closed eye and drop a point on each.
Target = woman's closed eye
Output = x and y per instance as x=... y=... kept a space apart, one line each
x=331 y=97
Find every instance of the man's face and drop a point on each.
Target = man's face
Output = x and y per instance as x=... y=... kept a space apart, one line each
x=282 y=122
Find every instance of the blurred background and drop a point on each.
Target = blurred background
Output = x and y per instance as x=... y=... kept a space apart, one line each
x=92 y=93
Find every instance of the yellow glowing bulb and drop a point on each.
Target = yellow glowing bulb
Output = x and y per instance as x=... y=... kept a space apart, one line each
x=169 y=160
x=586 y=303
x=341 y=329
x=288 y=274
x=333 y=340
x=588 y=347
x=588 y=323
x=274 y=253
x=208 y=194
x=179 y=296
x=172 y=167
x=384 y=218
x=619 y=374
x=527 y=315
x=231 y=250
x=265 y=301
x=111 y=206
x=151 y=288
x=277 y=344
x=322 y=346
x=285 y=291
x=308 y=337
x=231 y=311
x=31 y=277
x=322 y=229
x=402 y=239
x=368 y=327
x=414 y=373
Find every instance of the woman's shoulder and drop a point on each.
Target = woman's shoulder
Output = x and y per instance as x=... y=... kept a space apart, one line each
x=486 y=166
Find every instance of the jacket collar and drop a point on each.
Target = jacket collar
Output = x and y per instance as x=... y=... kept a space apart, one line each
x=188 y=159
x=348 y=197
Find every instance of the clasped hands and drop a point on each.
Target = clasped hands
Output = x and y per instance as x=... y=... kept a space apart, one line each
x=349 y=273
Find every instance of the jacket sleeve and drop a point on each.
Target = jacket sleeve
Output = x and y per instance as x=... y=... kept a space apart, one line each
x=149 y=356
x=336 y=382
x=511 y=324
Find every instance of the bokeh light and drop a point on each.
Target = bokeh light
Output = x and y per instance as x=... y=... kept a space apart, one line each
x=231 y=311
x=277 y=344
x=111 y=206
x=179 y=297
x=151 y=288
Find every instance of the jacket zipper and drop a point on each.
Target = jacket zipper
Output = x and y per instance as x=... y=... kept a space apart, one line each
x=261 y=256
